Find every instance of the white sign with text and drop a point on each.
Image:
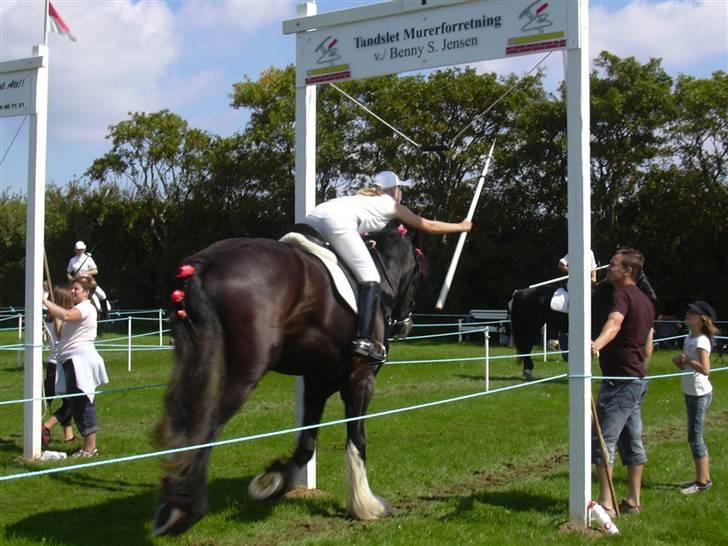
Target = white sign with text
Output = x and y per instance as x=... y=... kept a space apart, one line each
x=443 y=36
x=16 y=93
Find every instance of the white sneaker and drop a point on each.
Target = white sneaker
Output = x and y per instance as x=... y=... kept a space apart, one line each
x=695 y=487
x=83 y=454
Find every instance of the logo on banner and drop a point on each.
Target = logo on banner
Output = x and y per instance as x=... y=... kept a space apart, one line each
x=328 y=55
x=535 y=19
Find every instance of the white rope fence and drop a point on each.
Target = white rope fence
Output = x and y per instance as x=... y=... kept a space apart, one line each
x=109 y=345
x=163 y=452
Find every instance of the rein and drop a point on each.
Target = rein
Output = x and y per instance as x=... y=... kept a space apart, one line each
x=382 y=267
x=390 y=321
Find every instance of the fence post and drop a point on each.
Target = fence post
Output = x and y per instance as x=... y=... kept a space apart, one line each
x=128 y=357
x=460 y=330
x=160 y=327
x=544 y=330
x=486 y=341
x=20 y=340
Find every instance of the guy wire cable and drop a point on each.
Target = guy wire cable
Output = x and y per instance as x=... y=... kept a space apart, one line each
x=400 y=133
x=14 y=137
x=489 y=108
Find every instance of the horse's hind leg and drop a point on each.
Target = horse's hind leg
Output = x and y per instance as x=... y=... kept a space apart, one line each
x=362 y=503
x=186 y=495
x=280 y=477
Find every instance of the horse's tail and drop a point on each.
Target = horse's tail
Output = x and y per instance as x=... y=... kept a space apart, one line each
x=191 y=401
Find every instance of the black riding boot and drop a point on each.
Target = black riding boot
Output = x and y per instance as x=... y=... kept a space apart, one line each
x=364 y=344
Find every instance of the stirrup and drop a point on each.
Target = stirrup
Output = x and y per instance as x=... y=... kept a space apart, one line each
x=373 y=351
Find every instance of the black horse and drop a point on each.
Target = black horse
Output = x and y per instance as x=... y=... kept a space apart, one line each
x=531 y=309
x=244 y=307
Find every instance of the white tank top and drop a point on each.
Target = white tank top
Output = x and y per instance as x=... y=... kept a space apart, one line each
x=359 y=212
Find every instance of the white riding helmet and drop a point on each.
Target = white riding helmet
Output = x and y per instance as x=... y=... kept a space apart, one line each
x=80 y=245
x=387 y=180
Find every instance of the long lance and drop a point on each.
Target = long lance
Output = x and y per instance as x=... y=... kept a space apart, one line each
x=461 y=241
x=557 y=279
x=56 y=322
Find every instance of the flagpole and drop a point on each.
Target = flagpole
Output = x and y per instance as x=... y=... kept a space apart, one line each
x=45 y=22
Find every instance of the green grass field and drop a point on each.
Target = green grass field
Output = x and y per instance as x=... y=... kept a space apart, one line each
x=490 y=470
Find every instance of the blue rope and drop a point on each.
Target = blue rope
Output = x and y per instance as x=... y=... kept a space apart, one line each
x=164 y=452
x=105 y=391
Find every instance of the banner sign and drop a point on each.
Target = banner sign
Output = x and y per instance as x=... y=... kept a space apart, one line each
x=15 y=93
x=439 y=36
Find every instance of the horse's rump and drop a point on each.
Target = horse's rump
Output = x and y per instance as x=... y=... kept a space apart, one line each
x=529 y=311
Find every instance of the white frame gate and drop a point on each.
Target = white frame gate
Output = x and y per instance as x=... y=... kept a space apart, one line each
x=386 y=38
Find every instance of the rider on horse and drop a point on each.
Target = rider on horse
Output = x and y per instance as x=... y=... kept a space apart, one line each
x=342 y=221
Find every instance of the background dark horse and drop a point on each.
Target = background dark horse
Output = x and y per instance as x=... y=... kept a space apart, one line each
x=531 y=308
x=250 y=306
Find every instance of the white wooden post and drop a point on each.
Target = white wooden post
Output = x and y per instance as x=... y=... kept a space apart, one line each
x=460 y=330
x=487 y=357
x=305 y=196
x=579 y=205
x=128 y=351
x=160 y=327
x=35 y=220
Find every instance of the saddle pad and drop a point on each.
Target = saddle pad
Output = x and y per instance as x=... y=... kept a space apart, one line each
x=338 y=277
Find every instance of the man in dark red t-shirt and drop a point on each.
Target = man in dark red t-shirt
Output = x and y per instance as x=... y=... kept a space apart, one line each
x=624 y=347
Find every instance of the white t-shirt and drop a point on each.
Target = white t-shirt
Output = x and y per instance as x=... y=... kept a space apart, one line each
x=78 y=334
x=359 y=212
x=77 y=262
x=696 y=384
x=77 y=344
x=565 y=260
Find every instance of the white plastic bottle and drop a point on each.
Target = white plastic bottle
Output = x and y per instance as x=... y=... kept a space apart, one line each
x=599 y=518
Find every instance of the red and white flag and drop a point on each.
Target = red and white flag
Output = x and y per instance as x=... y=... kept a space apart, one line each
x=57 y=24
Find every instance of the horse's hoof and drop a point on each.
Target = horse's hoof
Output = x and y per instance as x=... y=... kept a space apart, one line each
x=170 y=520
x=266 y=486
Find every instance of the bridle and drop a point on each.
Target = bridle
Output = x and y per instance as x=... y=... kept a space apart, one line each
x=403 y=323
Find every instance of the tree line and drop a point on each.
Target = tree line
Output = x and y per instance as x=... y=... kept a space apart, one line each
x=658 y=164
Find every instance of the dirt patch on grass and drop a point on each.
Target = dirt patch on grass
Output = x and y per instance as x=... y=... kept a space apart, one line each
x=672 y=432
x=301 y=492
x=334 y=519
x=486 y=480
x=572 y=528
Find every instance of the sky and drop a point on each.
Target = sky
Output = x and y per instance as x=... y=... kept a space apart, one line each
x=185 y=56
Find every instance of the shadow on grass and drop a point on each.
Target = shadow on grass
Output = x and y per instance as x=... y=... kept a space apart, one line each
x=512 y=500
x=10 y=448
x=127 y=520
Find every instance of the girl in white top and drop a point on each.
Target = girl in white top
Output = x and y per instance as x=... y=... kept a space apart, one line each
x=82 y=368
x=61 y=296
x=342 y=221
x=696 y=386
